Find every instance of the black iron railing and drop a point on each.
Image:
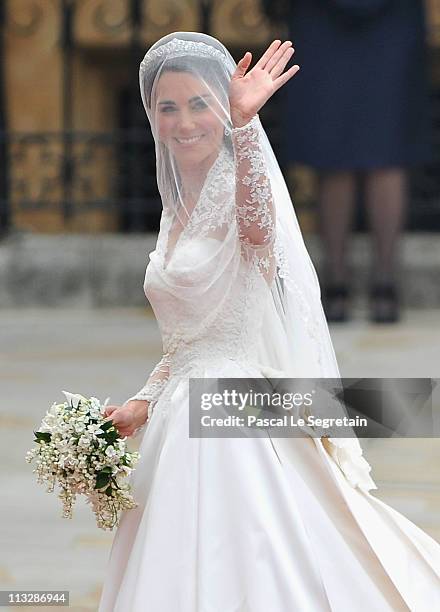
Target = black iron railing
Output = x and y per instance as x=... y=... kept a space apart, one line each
x=73 y=171
x=112 y=171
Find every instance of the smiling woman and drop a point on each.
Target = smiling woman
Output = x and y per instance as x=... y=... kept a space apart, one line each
x=189 y=110
x=189 y=124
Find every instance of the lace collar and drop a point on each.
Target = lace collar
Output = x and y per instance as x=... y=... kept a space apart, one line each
x=213 y=207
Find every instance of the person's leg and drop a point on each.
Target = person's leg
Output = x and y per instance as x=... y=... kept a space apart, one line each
x=386 y=201
x=337 y=190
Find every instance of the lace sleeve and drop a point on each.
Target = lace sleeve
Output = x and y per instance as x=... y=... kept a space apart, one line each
x=152 y=389
x=255 y=210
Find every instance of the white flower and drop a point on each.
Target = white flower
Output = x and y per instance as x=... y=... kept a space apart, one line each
x=73 y=399
x=120 y=445
x=55 y=409
x=72 y=461
x=94 y=428
x=85 y=441
x=110 y=451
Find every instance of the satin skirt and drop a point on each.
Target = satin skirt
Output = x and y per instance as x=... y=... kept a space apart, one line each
x=252 y=525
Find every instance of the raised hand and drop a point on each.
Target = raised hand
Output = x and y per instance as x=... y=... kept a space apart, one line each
x=249 y=91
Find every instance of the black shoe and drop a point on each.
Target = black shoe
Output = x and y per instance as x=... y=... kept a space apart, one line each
x=335 y=302
x=384 y=304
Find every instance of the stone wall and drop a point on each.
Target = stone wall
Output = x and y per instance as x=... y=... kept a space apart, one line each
x=108 y=270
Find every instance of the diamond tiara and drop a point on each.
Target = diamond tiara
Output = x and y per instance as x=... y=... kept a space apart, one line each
x=178 y=48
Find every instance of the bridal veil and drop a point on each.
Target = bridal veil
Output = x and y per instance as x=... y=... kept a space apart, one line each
x=229 y=217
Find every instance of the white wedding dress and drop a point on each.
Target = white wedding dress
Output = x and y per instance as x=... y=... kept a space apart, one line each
x=242 y=525
x=245 y=524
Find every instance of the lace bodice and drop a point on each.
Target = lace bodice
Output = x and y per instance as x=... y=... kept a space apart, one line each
x=209 y=293
x=205 y=326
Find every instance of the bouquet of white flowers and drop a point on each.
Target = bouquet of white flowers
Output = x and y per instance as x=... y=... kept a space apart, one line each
x=84 y=453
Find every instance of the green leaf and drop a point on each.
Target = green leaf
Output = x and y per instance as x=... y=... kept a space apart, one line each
x=111 y=436
x=106 y=425
x=42 y=436
x=102 y=480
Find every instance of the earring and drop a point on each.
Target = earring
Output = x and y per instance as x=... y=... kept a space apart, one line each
x=227 y=131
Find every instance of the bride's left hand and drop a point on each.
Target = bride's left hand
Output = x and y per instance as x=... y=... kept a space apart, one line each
x=249 y=91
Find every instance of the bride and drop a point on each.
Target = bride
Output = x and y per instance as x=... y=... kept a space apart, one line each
x=233 y=524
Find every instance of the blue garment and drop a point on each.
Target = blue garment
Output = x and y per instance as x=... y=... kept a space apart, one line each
x=361 y=98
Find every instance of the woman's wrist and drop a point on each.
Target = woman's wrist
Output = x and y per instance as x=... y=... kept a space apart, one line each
x=238 y=120
x=140 y=411
x=242 y=127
